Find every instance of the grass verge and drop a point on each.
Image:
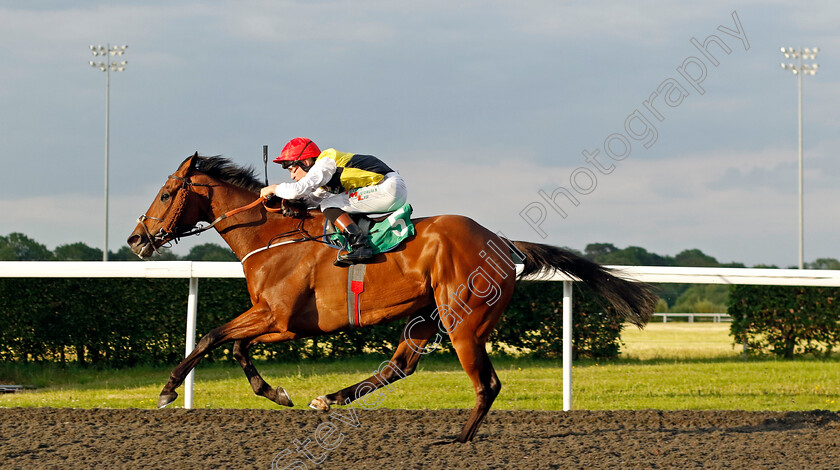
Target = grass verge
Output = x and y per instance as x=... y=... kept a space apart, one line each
x=666 y=366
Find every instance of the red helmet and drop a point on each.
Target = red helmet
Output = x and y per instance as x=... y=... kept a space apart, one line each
x=299 y=148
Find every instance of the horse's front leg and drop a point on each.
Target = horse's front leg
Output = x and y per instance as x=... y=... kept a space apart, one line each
x=260 y=386
x=250 y=324
x=412 y=346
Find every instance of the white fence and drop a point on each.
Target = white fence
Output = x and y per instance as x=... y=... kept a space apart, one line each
x=195 y=270
x=134 y=269
x=716 y=317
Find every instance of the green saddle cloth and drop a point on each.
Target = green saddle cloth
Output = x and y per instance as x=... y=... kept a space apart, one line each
x=384 y=236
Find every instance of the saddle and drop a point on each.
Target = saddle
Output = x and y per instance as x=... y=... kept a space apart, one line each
x=385 y=231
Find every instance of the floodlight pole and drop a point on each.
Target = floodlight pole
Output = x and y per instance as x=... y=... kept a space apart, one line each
x=107 y=67
x=799 y=70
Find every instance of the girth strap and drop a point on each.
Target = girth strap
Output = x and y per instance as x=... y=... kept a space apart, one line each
x=355 y=287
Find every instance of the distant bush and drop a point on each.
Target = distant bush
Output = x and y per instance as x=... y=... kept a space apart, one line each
x=124 y=322
x=785 y=320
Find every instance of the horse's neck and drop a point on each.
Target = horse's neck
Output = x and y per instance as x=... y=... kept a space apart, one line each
x=249 y=230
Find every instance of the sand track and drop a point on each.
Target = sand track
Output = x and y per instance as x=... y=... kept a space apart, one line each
x=212 y=438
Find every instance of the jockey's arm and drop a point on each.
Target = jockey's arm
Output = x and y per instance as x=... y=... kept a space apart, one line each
x=317 y=176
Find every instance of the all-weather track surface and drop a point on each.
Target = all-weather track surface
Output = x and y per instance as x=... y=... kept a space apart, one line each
x=33 y=438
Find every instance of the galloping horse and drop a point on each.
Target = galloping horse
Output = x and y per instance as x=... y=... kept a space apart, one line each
x=453 y=276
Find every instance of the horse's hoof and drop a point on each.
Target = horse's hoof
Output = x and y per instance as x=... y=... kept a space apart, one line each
x=279 y=396
x=283 y=398
x=166 y=398
x=320 y=404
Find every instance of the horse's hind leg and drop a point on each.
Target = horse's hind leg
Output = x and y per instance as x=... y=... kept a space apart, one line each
x=475 y=361
x=260 y=386
x=411 y=347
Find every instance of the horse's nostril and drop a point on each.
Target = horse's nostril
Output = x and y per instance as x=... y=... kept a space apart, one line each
x=133 y=240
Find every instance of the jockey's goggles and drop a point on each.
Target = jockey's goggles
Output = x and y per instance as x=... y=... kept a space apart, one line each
x=289 y=164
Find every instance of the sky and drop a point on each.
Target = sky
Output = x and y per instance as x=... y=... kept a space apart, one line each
x=662 y=124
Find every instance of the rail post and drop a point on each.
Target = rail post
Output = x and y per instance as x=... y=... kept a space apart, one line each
x=567 y=345
x=192 y=313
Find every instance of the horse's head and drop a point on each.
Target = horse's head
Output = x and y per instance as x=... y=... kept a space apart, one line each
x=173 y=213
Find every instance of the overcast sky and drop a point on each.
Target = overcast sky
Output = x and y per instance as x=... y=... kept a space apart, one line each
x=488 y=109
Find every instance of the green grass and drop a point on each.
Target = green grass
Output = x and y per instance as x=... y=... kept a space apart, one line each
x=666 y=366
x=679 y=340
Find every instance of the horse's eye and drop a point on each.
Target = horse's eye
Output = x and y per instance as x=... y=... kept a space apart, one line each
x=164 y=197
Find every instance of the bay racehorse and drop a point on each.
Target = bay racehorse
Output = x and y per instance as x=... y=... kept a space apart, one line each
x=453 y=276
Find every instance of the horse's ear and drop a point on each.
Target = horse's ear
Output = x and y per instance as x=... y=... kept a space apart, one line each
x=188 y=164
x=194 y=161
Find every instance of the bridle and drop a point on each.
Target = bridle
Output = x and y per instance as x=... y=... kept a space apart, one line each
x=168 y=232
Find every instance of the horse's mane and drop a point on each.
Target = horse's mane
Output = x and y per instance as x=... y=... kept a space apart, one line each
x=222 y=168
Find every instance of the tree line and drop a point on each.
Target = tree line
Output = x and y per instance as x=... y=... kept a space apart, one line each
x=675 y=298
x=19 y=247
x=122 y=322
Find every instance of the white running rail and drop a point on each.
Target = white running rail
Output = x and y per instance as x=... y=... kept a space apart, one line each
x=194 y=270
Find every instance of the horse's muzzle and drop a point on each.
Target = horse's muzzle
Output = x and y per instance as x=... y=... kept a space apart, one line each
x=141 y=246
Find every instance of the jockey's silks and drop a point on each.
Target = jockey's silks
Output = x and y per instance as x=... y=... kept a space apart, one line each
x=353 y=171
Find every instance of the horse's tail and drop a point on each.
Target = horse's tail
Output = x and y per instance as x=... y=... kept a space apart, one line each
x=634 y=301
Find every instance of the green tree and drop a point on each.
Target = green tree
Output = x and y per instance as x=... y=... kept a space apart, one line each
x=696 y=258
x=823 y=263
x=19 y=247
x=210 y=252
x=595 y=251
x=703 y=298
x=123 y=254
x=77 y=252
x=635 y=256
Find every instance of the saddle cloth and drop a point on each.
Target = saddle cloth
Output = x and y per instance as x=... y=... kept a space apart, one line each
x=384 y=233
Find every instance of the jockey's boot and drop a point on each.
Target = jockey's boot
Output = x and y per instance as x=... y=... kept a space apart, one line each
x=357 y=239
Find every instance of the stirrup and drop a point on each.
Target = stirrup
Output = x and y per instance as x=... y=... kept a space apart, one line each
x=360 y=254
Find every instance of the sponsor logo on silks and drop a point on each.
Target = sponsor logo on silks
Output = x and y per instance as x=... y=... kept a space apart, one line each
x=361 y=194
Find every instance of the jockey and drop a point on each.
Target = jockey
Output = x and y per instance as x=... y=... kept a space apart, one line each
x=339 y=183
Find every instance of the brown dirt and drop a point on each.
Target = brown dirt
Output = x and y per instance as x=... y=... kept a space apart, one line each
x=210 y=438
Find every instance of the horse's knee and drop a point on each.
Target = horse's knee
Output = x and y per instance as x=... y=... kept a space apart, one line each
x=399 y=368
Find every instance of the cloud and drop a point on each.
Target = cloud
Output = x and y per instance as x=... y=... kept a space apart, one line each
x=672 y=205
x=72 y=218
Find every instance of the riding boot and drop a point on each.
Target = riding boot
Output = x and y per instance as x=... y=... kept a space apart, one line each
x=356 y=238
